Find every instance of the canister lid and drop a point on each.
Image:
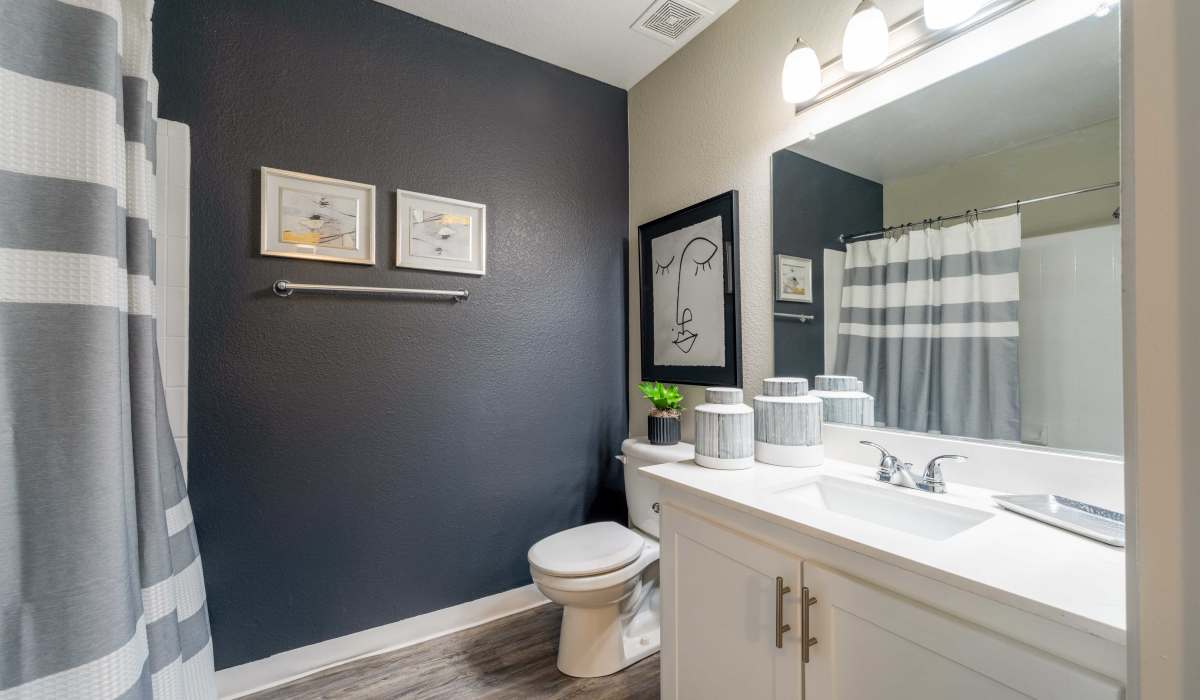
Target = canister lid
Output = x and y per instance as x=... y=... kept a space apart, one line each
x=785 y=386
x=723 y=394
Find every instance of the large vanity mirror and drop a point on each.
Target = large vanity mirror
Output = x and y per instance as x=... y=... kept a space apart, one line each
x=928 y=300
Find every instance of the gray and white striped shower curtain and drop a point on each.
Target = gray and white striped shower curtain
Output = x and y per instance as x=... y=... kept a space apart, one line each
x=929 y=323
x=101 y=590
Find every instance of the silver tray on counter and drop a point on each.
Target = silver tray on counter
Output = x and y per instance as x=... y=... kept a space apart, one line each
x=1107 y=526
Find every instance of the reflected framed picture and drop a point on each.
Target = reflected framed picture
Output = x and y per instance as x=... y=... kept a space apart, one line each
x=440 y=233
x=317 y=218
x=793 y=279
x=690 y=299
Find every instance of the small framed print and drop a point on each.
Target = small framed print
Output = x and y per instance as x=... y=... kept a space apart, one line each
x=793 y=279
x=317 y=218
x=439 y=233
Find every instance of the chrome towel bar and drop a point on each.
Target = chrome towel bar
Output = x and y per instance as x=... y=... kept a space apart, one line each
x=803 y=318
x=285 y=288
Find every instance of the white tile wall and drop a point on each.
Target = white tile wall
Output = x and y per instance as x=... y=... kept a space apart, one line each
x=1071 y=394
x=171 y=259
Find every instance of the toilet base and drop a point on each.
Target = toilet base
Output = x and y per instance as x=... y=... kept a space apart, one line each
x=600 y=641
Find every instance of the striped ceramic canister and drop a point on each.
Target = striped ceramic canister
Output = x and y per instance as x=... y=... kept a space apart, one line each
x=787 y=424
x=724 y=430
x=844 y=400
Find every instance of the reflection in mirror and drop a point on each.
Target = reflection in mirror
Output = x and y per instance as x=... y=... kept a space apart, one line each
x=938 y=304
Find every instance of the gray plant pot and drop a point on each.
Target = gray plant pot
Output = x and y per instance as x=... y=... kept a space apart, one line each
x=663 y=431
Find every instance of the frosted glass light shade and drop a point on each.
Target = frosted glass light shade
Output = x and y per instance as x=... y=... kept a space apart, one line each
x=865 y=43
x=801 y=74
x=940 y=14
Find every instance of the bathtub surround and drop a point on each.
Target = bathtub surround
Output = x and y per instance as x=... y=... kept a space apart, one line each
x=101 y=583
x=357 y=461
x=173 y=168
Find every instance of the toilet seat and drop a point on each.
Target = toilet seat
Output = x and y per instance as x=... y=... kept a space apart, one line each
x=588 y=550
x=598 y=582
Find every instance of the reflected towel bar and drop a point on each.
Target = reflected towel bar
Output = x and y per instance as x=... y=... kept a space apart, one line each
x=285 y=288
x=803 y=318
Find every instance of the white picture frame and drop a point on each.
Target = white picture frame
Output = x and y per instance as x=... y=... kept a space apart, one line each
x=793 y=279
x=317 y=218
x=440 y=233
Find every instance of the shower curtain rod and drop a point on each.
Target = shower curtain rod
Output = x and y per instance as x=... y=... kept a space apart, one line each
x=851 y=237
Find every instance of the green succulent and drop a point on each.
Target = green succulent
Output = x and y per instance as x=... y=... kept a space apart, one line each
x=664 y=398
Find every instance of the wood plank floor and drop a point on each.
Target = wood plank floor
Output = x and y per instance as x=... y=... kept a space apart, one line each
x=510 y=658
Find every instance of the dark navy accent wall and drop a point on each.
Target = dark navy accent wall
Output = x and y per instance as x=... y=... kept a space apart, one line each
x=357 y=461
x=811 y=205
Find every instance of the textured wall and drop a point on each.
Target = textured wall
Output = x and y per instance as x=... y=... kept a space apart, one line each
x=812 y=204
x=708 y=120
x=355 y=461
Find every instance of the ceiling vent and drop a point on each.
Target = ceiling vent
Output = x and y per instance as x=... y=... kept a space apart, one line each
x=671 y=21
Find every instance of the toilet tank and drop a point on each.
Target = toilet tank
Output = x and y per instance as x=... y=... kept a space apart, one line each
x=641 y=492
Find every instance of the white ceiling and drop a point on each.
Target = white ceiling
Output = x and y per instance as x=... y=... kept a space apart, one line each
x=590 y=37
x=1059 y=83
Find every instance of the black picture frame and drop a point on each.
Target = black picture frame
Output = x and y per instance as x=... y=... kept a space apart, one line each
x=724 y=206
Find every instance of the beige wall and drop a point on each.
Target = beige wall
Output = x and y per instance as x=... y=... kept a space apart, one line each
x=1161 y=208
x=706 y=121
x=1088 y=156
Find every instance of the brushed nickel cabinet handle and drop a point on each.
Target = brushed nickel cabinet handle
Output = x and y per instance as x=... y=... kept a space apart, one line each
x=780 y=591
x=809 y=642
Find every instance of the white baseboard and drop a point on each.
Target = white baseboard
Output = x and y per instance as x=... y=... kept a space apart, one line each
x=289 y=665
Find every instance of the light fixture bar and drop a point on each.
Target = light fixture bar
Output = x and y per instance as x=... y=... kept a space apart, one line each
x=910 y=39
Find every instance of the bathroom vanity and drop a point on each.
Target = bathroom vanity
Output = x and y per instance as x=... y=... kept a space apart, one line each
x=825 y=583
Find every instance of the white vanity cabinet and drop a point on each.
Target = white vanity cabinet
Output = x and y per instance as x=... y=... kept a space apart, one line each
x=719 y=614
x=873 y=644
x=720 y=605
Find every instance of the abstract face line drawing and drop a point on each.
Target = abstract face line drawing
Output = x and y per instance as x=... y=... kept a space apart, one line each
x=699 y=252
x=689 y=314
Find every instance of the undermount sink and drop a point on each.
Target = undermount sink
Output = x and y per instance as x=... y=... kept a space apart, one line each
x=887 y=506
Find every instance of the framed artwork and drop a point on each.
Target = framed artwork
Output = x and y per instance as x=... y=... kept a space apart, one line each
x=439 y=233
x=793 y=279
x=317 y=218
x=691 y=315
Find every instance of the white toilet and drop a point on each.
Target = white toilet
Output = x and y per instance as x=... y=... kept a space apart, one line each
x=606 y=576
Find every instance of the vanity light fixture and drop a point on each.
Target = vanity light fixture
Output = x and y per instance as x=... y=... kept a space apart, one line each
x=940 y=14
x=801 y=73
x=865 y=42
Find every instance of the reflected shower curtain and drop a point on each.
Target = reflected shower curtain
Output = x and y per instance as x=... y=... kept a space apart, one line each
x=929 y=323
x=101 y=590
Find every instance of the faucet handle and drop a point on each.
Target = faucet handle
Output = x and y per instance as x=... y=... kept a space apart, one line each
x=888 y=462
x=932 y=480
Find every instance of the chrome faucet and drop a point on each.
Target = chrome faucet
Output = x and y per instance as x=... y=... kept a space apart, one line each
x=897 y=473
x=932 y=480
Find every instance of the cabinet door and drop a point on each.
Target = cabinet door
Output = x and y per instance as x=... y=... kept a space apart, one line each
x=719 y=614
x=873 y=644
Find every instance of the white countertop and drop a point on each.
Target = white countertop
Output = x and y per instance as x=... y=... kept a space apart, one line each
x=1008 y=558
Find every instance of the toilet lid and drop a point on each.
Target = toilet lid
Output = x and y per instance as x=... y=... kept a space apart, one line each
x=595 y=548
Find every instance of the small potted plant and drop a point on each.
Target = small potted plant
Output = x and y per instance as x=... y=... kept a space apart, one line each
x=664 y=417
